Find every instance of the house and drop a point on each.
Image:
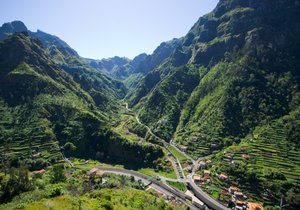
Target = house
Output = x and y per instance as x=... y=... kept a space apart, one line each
x=255 y=206
x=99 y=173
x=197 y=179
x=93 y=170
x=202 y=164
x=208 y=161
x=207 y=172
x=189 y=169
x=96 y=171
x=223 y=177
x=239 y=195
x=183 y=148
x=232 y=189
x=240 y=205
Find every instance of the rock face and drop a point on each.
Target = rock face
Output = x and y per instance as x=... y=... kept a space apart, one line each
x=9 y=28
x=49 y=41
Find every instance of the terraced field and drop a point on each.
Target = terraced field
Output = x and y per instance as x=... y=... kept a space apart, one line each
x=49 y=150
x=272 y=151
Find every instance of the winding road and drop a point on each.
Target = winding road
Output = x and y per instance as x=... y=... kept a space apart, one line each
x=163 y=187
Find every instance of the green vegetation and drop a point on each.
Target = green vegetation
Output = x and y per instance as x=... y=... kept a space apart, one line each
x=154 y=172
x=178 y=154
x=79 y=190
x=42 y=109
x=179 y=185
x=229 y=83
x=229 y=88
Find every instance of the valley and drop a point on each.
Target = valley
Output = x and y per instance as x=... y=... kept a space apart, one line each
x=210 y=120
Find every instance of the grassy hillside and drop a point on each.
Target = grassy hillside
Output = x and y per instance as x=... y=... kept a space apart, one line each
x=43 y=110
x=51 y=189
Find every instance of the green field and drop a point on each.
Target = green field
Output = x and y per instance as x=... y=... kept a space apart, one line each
x=178 y=185
x=152 y=172
x=178 y=154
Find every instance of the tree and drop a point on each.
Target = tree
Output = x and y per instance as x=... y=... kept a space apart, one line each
x=17 y=182
x=70 y=147
x=58 y=173
x=293 y=197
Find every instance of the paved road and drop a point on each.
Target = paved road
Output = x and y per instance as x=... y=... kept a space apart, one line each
x=203 y=196
x=199 y=193
x=159 y=186
x=166 y=145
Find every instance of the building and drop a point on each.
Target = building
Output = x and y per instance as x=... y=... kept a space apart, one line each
x=183 y=148
x=207 y=172
x=255 y=206
x=189 y=169
x=202 y=164
x=197 y=179
x=208 y=161
x=223 y=177
x=239 y=195
x=96 y=171
x=232 y=190
x=240 y=205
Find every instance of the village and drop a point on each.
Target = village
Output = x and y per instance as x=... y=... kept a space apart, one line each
x=229 y=193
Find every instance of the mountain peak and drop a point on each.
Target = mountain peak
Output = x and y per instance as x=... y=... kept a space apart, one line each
x=14 y=26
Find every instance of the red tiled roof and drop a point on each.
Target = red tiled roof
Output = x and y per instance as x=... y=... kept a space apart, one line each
x=240 y=203
x=197 y=177
x=206 y=171
x=223 y=176
x=232 y=188
x=255 y=206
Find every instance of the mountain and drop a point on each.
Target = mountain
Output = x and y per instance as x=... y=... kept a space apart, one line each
x=48 y=40
x=232 y=83
x=234 y=46
x=228 y=91
x=104 y=90
x=131 y=71
x=43 y=108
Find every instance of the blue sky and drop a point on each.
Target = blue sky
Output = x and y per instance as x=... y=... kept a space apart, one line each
x=105 y=28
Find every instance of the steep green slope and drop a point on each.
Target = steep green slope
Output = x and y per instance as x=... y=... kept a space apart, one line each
x=244 y=91
x=253 y=84
x=42 y=107
x=246 y=57
x=104 y=90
